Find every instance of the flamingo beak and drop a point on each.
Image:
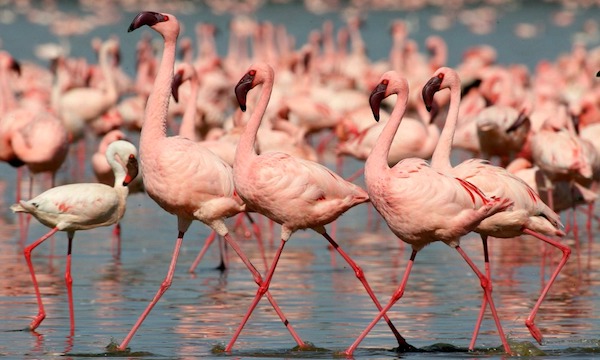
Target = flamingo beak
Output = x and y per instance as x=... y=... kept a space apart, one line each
x=431 y=87
x=521 y=120
x=177 y=81
x=149 y=18
x=376 y=98
x=132 y=170
x=16 y=66
x=242 y=89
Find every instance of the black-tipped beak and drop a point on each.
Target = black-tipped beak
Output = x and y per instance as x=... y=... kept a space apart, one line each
x=118 y=57
x=16 y=66
x=177 y=81
x=242 y=88
x=149 y=18
x=598 y=74
x=431 y=87
x=521 y=120
x=377 y=96
x=132 y=170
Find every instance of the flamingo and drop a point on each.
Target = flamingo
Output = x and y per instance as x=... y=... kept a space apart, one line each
x=529 y=214
x=420 y=204
x=74 y=111
x=294 y=192
x=180 y=175
x=81 y=206
x=104 y=175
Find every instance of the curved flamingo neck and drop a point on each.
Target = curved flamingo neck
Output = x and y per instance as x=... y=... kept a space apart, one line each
x=441 y=155
x=245 y=146
x=188 y=122
x=378 y=158
x=109 y=75
x=155 y=116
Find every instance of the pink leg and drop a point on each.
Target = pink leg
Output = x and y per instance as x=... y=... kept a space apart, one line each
x=163 y=287
x=486 y=284
x=41 y=313
x=533 y=329
x=356 y=174
x=576 y=236
x=258 y=234
x=402 y=344
x=324 y=142
x=590 y=216
x=590 y=233
x=209 y=240
x=259 y=281
x=484 y=300
x=224 y=264
x=262 y=289
x=395 y=297
x=69 y=283
x=116 y=244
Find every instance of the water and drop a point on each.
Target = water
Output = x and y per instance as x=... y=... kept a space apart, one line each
x=323 y=300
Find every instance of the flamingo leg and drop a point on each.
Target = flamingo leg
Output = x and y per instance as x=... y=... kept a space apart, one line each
x=395 y=297
x=223 y=252
x=163 y=287
x=259 y=281
x=262 y=289
x=484 y=300
x=209 y=240
x=259 y=239
x=402 y=344
x=533 y=329
x=41 y=312
x=577 y=242
x=486 y=284
x=116 y=244
x=69 y=283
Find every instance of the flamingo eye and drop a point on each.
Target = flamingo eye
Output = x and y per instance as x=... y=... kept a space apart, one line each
x=252 y=72
x=385 y=81
x=165 y=18
x=441 y=76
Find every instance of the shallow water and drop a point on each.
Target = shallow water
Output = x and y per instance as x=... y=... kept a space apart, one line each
x=322 y=298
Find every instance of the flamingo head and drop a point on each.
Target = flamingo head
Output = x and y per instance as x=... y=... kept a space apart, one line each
x=149 y=18
x=132 y=169
x=243 y=87
x=377 y=96
x=431 y=87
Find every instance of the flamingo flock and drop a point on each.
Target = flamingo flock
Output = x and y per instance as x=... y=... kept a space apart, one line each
x=530 y=139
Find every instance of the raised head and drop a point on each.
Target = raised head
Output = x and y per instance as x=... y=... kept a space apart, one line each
x=165 y=24
x=441 y=79
x=389 y=83
x=257 y=74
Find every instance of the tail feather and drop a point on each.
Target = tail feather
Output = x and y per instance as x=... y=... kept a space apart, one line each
x=19 y=207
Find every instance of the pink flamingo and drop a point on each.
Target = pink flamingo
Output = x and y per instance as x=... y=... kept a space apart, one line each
x=185 y=72
x=420 y=204
x=180 y=175
x=529 y=215
x=560 y=153
x=309 y=195
x=77 y=112
x=75 y=207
